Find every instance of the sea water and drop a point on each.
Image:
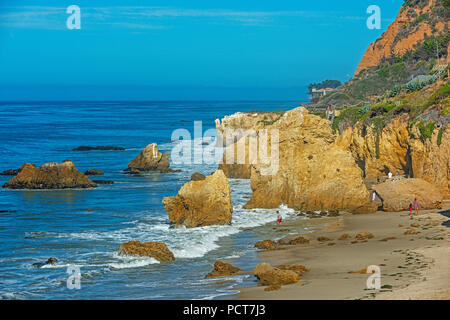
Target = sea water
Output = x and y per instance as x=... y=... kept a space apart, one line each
x=85 y=227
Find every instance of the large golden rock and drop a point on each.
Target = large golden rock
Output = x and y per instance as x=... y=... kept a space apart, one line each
x=233 y=127
x=152 y=249
x=314 y=173
x=397 y=195
x=268 y=275
x=201 y=203
x=51 y=175
x=150 y=159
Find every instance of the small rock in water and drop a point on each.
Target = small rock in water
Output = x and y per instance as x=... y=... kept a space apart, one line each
x=50 y=261
x=103 y=181
x=197 y=176
x=153 y=249
x=222 y=269
x=98 y=148
x=93 y=172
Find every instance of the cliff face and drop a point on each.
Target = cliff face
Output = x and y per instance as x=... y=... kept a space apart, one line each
x=314 y=172
x=401 y=148
x=413 y=24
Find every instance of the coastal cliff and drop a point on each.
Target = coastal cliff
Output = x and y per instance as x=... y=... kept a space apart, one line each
x=415 y=22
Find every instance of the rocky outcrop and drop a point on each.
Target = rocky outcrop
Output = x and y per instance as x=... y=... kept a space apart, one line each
x=364 y=235
x=222 y=269
x=150 y=159
x=270 y=276
x=201 y=203
x=152 y=249
x=11 y=172
x=430 y=158
x=314 y=173
x=378 y=153
x=397 y=195
x=197 y=176
x=399 y=147
x=266 y=245
x=51 y=175
x=236 y=126
x=236 y=162
x=93 y=172
x=405 y=32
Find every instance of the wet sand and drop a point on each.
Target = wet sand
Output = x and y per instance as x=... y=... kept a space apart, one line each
x=412 y=266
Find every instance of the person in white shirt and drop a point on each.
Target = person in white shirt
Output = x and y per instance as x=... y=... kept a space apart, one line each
x=390 y=175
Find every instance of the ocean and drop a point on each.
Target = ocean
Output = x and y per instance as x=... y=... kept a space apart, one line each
x=84 y=228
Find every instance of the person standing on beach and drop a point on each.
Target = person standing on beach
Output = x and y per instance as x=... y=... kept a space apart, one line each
x=373 y=196
x=416 y=206
x=410 y=210
x=390 y=175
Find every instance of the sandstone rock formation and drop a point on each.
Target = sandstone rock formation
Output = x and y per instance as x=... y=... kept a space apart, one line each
x=51 y=175
x=293 y=240
x=364 y=235
x=268 y=275
x=236 y=126
x=201 y=203
x=266 y=245
x=233 y=169
x=400 y=148
x=397 y=195
x=152 y=249
x=314 y=173
x=150 y=159
x=222 y=269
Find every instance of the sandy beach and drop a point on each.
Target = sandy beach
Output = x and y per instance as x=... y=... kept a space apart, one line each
x=412 y=266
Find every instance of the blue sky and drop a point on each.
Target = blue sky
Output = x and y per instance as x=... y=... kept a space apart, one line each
x=181 y=49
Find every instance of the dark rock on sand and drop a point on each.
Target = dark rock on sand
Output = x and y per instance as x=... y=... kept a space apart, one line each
x=270 y=276
x=98 y=148
x=93 y=172
x=51 y=175
x=222 y=269
x=293 y=240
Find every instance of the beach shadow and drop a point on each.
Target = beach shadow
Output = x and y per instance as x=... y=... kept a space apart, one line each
x=446 y=213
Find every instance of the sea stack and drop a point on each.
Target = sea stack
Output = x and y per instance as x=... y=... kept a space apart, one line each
x=201 y=203
x=150 y=159
x=51 y=175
